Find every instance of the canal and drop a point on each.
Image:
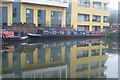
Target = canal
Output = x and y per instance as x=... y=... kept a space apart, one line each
x=79 y=58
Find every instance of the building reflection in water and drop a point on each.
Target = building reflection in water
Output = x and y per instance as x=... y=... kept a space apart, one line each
x=61 y=59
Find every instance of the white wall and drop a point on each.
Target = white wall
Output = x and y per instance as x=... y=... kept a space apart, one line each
x=59 y=3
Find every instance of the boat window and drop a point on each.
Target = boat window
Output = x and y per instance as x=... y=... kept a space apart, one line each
x=68 y=32
x=87 y=33
x=75 y=33
x=83 y=33
x=58 y=32
x=39 y=31
x=61 y=32
x=54 y=32
x=90 y=33
x=50 y=32
x=46 y=32
x=78 y=32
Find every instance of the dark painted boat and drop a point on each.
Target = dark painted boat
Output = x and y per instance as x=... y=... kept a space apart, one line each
x=10 y=35
x=53 y=33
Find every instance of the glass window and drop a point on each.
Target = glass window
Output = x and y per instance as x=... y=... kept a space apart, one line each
x=68 y=32
x=96 y=28
x=83 y=17
x=81 y=67
x=41 y=55
x=54 y=32
x=103 y=63
x=28 y=11
x=83 y=28
x=84 y=3
x=96 y=18
x=14 y=12
x=105 y=6
x=59 y=16
x=61 y=32
x=53 y=15
x=29 y=58
x=97 y=5
x=95 y=44
x=94 y=74
x=104 y=51
x=95 y=52
x=39 y=14
x=94 y=65
x=55 y=53
x=105 y=19
x=80 y=54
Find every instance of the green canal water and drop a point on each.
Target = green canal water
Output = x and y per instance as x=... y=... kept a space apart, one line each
x=76 y=58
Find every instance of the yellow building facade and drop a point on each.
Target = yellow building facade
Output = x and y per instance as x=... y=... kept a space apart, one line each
x=48 y=9
x=89 y=14
x=42 y=13
x=85 y=64
x=83 y=15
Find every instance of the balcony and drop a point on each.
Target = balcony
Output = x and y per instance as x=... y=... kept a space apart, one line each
x=59 y=3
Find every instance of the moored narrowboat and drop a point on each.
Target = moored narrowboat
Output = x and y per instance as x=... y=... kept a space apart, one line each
x=53 y=33
x=10 y=35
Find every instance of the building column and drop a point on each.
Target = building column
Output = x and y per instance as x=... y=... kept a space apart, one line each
x=35 y=17
x=35 y=56
x=48 y=18
x=47 y=55
x=90 y=27
x=64 y=18
x=23 y=13
x=101 y=52
x=91 y=3
x=101 y=27
x=63 y=54
x=102 y=5
x=10 y=15
x=23 y=59
x=10 y=63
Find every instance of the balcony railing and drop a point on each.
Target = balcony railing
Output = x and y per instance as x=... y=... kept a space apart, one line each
x=60 y=3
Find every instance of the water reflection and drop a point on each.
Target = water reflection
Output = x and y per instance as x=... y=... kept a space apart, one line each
x=55 y=59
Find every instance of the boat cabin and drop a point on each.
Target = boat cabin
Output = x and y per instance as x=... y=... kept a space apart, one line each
x=60 y=32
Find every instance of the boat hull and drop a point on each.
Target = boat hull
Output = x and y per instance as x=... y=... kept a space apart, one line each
x=60 y=36
x=14 y=39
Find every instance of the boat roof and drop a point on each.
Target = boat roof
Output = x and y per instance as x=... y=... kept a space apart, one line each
x=5 y=29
